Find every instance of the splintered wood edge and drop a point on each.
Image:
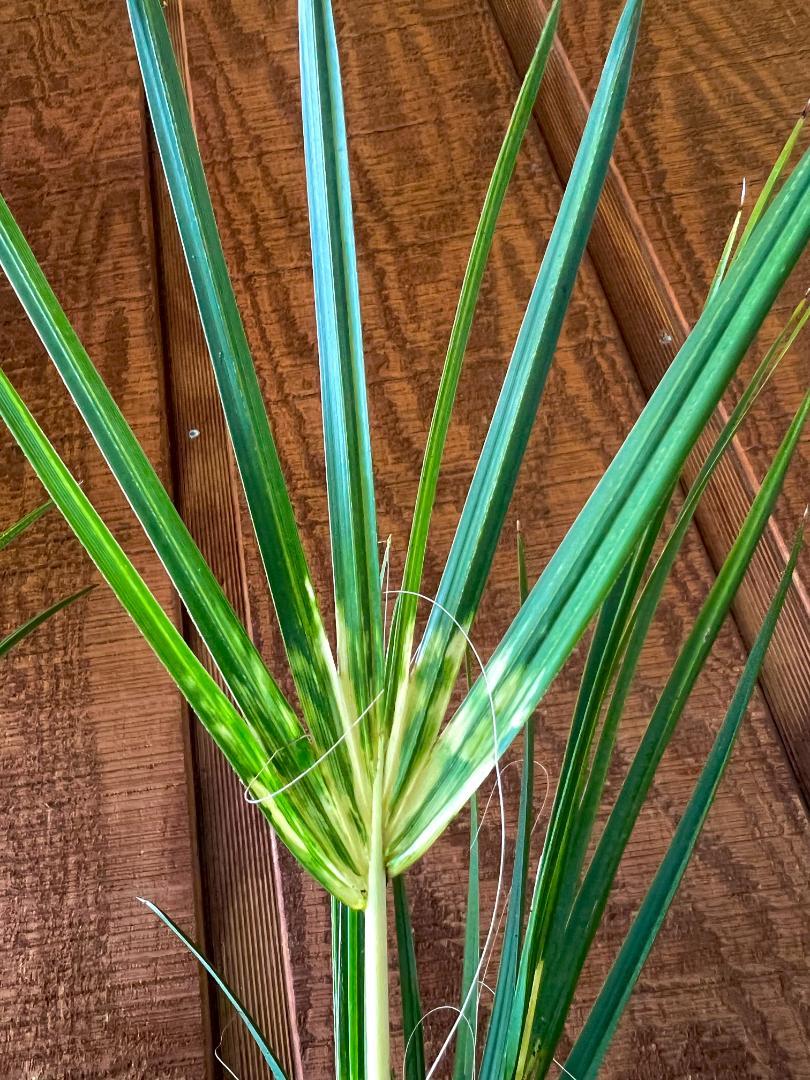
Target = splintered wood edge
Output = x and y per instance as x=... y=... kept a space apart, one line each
x=654 y=327
x=240 y=904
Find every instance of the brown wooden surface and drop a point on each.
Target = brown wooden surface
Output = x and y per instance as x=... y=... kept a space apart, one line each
x=94 y=804
x=654 y=325
x=429 y=87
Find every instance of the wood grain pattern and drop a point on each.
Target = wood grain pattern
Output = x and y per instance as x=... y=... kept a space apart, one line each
x=93 y=800
x=429 y=87
x=654 y=326
x=240 y=891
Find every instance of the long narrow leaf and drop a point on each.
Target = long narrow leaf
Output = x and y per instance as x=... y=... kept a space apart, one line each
x=349 y=477
x=227 y=640
x=254 y=448
x=647 y=604
x=310 y=834
x=769 y=187
x=558 y=874
x=467 y=1032
x=405 y=612
x=241 y=1011
x=468 y=564
x=412 y=1034
x=592 y=897
x=13 y=531
x=347 y=991
x=589 y=1049
x=497 y=1032
x=13 y=639
x=597 y=545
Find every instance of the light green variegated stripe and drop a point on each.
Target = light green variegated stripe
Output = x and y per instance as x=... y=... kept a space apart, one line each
x=544 y=1028
x=266 y=493
x=225 y=637
x=10 y=641
x=590 y=556
x=349 y=479
x=320 y=851
x=468 y=564
x=594 y=1039
x=25 y=522
x=402 y=629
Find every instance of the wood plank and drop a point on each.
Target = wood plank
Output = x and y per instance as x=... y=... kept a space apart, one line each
x=240 y=890
x=654 y=326
x=94 y=798
x=429 y=88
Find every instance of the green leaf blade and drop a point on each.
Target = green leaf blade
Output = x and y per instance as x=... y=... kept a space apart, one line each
x=303 y=819
x=253 y=1028
x=592 y=897
x=404 y=620
x=255 y=450
x=19 y=527
x=588 y=559
x=479 y=527
x=225 y=637
x=589 y=1049
x=414 y=1042
x=10 y=641
x=349 y=476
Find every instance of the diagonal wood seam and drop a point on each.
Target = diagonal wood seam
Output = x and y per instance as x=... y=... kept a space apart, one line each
x=653 y=328
x=240 y=899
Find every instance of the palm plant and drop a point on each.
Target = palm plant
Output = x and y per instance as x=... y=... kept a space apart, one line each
x=364 y=781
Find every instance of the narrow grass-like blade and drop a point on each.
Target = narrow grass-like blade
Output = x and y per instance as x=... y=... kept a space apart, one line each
x=302 y=823
x=589 y=1048
x=647 y=603
x=402 y=631
x=728 y=247
x=558 y=873
x=349 y=477
x=13 y=531
x=255 y=451
x=543 y=1031
x=468 y=564
x=769 y=187
x=16 y=636
x=592 y=553
x=347 y=991
x=467 y=1031
x=227 y=640
x=635 y=634
x=241 y=1011
x=497 y=1032
x=413 y=1038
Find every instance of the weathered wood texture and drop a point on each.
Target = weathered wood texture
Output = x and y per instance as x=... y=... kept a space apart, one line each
x=654 y=325
x=94 y=797
x=429 y=86
x=429 y=89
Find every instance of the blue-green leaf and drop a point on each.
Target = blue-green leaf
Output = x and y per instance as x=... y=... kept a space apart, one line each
x=468 y=564
x=592 y=1043
x=349 y=478
x=241 y=1011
